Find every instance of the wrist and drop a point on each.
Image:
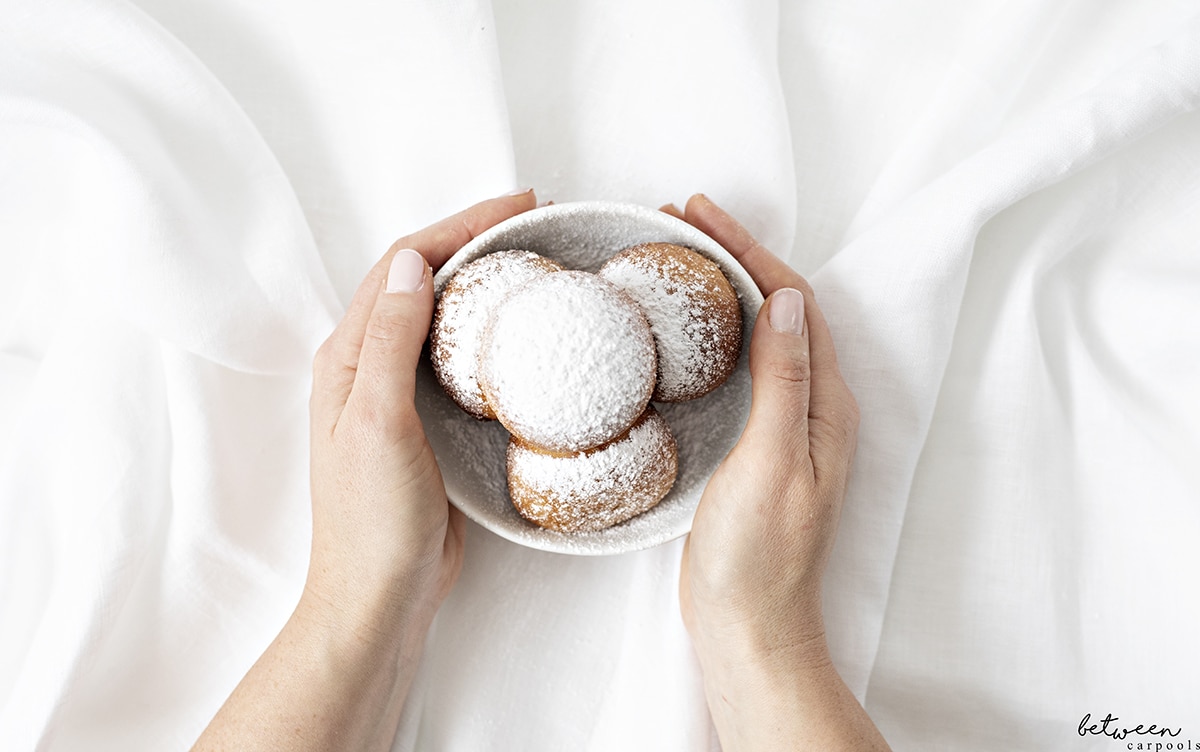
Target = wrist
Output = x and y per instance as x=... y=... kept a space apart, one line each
x=755 y=682
x=745 y=664
x=773 y=701
x=759 y=636
x=775 y=696
x=391 y=613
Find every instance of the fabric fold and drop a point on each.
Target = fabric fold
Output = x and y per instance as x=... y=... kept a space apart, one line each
x=993 y=201
x=893 y=295
x=164 y=264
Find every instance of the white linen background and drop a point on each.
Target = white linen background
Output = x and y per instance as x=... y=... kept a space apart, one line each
x=996 y=202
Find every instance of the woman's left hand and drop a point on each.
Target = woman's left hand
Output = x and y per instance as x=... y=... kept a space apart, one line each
x=387 y=547
x=382 y=527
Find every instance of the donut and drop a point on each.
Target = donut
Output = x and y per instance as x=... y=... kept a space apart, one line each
x=460 y=316
x=693 y=312
x=567 y=362
x=597 y=488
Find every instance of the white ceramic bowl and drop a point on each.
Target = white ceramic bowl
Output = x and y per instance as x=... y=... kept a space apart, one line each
x=583 y=235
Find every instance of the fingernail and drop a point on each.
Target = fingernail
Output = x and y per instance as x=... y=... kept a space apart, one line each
x=519 y=192
x=407 y=272
x=786 y=314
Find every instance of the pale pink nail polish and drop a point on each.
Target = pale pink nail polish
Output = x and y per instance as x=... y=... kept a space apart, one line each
x=407 y=272
x=786 y=313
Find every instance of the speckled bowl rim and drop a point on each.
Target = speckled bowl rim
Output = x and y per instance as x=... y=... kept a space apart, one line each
x=541 y=230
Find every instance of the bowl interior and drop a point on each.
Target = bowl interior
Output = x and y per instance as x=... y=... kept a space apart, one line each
x=583 y=235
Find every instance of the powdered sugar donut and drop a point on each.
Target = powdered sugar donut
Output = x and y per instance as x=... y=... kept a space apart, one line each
x=461 y=314
x=598 y=488
x=693 y=312
x=567 y=362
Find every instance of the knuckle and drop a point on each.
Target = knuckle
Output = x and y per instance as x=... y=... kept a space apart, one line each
x=844 y=431
x=377 y=424
x=793 y=373
x=801 y=284
x=466 y=226
x=368 y=423
x=397 y=245
x=835 y=428
x=373 y=420
x=328 y=359
x=387 y=332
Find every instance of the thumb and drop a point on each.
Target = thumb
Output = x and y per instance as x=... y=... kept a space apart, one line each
x=385 y=380
x=781 y=378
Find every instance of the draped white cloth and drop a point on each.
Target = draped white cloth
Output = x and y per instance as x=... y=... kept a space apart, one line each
x=996 y=203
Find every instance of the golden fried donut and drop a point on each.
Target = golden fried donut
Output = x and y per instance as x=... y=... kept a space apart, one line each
x=461 y=314
x=693 y=312
x=598 y=488
x=567 y=362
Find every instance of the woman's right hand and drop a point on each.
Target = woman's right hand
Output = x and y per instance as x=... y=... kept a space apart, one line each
x=750 y=581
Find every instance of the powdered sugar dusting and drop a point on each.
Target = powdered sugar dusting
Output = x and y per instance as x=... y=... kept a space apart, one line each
x=583 y=235
x=462 y=312
x=693 y=314
x=567 y=361
x=599 y=488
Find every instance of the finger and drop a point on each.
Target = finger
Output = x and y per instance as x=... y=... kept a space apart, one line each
x=436 y=243
x=385 y=380
x=781 y=381
x=673 y=210
x=337 y=359
x=768 y=271
x=832 y=428
x=439 y=242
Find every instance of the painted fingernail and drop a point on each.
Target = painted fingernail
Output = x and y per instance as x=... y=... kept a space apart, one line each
x=407 y=272
x=518 y=192
x=786 y=314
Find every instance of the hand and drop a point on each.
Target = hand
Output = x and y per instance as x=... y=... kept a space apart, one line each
x=387 y=547
x=765 y=525
x=750 y=580
x=382 y=525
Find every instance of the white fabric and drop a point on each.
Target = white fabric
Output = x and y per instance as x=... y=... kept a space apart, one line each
x=996 y=202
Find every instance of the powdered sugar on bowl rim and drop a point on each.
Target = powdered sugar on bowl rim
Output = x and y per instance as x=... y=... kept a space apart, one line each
x=583 y=235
